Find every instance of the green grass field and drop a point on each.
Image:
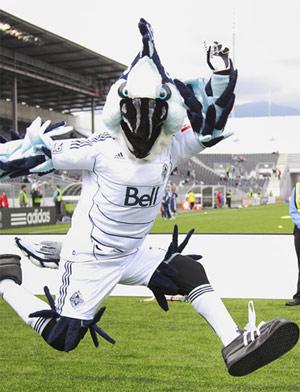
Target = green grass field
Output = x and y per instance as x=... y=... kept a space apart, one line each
x=273 y=218
x=155 y=351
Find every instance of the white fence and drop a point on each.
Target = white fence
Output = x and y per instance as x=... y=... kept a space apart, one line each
x=238 y=266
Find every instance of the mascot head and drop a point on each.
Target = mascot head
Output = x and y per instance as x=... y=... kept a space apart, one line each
x=144 y=107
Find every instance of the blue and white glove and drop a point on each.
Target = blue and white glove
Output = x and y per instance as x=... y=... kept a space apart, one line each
x=163 y=279
x=44 y=254
x=33 y=153
x=18 y=166
x=209 y=103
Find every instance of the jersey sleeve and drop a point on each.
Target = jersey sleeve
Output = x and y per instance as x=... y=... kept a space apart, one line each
x=77 y=154
x=185 y=144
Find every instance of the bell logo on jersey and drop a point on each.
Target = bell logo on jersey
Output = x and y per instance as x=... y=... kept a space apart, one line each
x=132 y=197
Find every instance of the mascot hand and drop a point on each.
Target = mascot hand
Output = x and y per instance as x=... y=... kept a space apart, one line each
x=175 y=248
x=21 y=157
x=217 y=57
x=39 y=135
x=209 y=130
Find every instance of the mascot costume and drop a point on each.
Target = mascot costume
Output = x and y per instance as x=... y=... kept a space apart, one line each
x=153 y=123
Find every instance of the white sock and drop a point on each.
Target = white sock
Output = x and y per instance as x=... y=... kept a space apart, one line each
x=23 y=302
x=207 y=303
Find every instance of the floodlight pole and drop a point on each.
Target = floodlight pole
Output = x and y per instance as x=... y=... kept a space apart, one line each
x=233 y=46
x=15 y=103
x=93 y=114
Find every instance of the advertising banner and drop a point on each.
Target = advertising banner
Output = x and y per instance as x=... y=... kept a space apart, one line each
x=18 y=217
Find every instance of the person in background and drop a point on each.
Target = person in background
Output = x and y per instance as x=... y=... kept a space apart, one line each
x=295 y=215
x=278 y=173
x=23 y=197
x=4 y=200
x=165 y=204
x=228 y=198
x=36 y=196
x=227 y=170
x=173 y=200
x=220 y=200
x=57 y=197
x=191 y=199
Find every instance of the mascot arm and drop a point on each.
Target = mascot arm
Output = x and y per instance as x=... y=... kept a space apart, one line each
x=75 y=154
x=185 y=144
x=209 y=104
x=21 y=157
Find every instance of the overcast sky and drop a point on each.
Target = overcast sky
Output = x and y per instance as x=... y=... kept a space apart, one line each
x=267 y=36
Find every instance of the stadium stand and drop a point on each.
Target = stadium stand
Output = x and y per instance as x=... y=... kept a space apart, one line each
x=245 y=172
x=47 y=75
x=43 y=74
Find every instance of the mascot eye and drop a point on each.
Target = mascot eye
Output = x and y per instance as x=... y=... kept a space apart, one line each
x=165 y=93
x=122 y=90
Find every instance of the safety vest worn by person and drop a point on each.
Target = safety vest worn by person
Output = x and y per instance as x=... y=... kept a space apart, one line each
x=58 y=196
x=23 y=199
x=297 y=196
x=191 y=197
x=37 y=198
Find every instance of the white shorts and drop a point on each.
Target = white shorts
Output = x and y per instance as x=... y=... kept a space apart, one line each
x=84 y=285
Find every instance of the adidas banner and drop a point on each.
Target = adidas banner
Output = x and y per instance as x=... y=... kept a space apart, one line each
x=18 y=217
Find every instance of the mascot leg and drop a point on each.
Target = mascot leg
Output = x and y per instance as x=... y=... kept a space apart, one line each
x=243 y=352
x=191 y=280
x=21 y=300
x=62 y=333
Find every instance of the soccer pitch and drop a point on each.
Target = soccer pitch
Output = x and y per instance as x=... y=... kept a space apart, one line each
x=273 y=218
x=155 y=351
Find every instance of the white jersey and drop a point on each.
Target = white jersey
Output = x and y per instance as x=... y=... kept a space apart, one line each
x=120 y=196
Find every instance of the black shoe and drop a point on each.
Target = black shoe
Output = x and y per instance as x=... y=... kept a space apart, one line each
x=294 y=302
x=10 y=268
x=257 y=347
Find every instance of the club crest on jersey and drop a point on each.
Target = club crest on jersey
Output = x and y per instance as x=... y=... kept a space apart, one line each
x=76 y=299
x=57 y=148
x=164 y=171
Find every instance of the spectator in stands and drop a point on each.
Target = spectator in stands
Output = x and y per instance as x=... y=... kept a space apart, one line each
x=4 y=200
x=57 y=197
x=227 y=170
x=228 y=198
x=193 y=175
x=191 y=199
x=23 y=197
x=188 y=173
x=278 y=173
x=237 y=180
x=36 y=196
x=295 y=215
